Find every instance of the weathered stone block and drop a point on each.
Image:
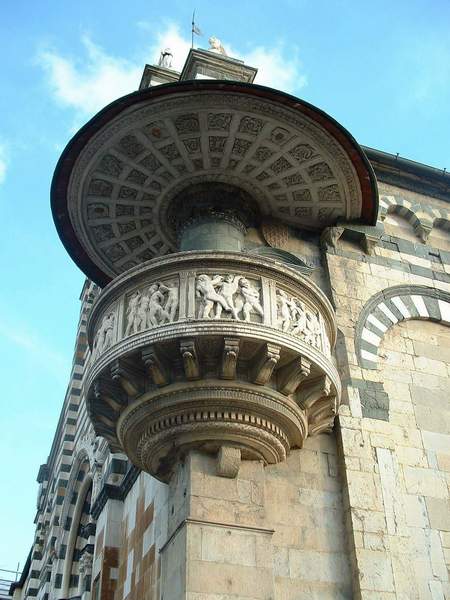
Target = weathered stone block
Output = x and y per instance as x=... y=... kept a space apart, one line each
x=415 y=511
x=375 y=571
x=439 y=513
x=436 y=441
x=363 y=492
x=228 y=546
x=425 y=482
x=319 y=566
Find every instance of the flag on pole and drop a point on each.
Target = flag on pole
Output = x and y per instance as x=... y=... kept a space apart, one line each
x=194 y=30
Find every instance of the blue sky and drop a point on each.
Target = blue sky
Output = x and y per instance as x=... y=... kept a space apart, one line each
x=380 y=68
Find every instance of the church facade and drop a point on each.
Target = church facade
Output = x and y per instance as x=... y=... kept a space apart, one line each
x=258 y=406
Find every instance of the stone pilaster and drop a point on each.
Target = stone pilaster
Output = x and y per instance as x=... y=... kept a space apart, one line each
x=218 y=546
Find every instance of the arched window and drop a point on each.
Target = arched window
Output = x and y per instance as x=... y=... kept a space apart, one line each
x=76 y=576
x=399 y=225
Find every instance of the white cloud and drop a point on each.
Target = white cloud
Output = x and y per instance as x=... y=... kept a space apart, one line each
x=277 y=67
x=3 y=163
x=89 y=83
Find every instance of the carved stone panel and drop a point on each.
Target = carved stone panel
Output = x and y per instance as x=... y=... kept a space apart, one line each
x=151 y=306
x=228 y=296
x=295 y=318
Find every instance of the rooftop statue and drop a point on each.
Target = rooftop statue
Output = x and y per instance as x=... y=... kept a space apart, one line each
x=215 y=45
x=165 y=59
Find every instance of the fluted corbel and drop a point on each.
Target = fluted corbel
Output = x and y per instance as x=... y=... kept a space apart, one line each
x=330 y=236
x=369 y=242
x=229 y=358
x=108 y=432
x=321 y=415
x=319 y=403
x=265 y=363
x=291 y=375
x=312 y=391
x=190 y=359
x=105 y=390
x=155 y=366
x=128 y=376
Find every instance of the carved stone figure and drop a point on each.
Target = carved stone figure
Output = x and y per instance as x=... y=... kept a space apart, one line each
x=325 y=341
x=251 y=299
x=104 y=336
x=294 y=318
x=215 y=45
x=85 y=570
x=313 y=331
x=298 y=316
x=153 y=307
x=157 y=315
x=96 y=345
x=108 y=327
x=85 y=565
x=165 y=58
x=52 y=554
x=133 y=318
x=171 y=304
x=143 y=311
x=228 y=287
x=205 y=290
x=284 y=310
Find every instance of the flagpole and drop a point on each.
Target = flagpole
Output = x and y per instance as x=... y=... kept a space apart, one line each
x=192 y=29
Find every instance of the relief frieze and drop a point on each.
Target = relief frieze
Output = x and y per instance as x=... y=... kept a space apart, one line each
x=234 y=294
x=210 y=296
x=151 y=307
x=105 y=334
x=293 y=317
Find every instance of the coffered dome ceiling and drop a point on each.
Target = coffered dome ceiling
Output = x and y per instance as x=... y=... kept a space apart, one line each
x=115 y=182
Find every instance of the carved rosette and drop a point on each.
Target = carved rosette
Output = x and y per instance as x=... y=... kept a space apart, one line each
x=219 y=351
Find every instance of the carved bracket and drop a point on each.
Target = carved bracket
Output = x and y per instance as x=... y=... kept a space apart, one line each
x=228 y=462
x=265 y=364
x=190 y=359
x=320 y=404
x=155 y=366
x=128 y=376
x=110 y=392
x=423 y=230
x=313 y=391
x=369 y=242
x=290 y=376
x=321 y=415
x=330 y=236
x=229 y=358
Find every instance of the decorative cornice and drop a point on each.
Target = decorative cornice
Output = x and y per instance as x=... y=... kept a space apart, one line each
x=410 y=175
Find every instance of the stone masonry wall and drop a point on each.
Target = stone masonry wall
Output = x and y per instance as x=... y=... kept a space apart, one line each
x=143 y=531
x=393 y=429
x=305 y=508
x=272 y=532
x=397 y=472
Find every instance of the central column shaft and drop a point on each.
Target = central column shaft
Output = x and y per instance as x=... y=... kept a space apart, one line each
x=217 y=231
